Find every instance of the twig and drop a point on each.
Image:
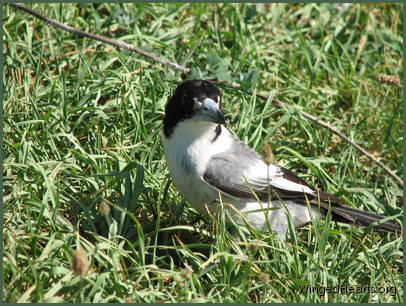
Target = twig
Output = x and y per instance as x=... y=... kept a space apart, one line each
x=112 y=42
x=327 y=126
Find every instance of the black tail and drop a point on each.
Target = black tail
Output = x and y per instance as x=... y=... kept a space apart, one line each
x=345 y=214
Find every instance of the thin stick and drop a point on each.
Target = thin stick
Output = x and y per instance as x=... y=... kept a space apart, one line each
x=112 y=42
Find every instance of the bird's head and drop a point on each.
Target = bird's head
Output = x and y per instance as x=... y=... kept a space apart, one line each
x=196 y=100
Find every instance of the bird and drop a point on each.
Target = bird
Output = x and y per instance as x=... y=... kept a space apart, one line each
x=210 y=166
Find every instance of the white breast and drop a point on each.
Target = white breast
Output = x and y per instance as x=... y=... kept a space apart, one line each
x=187 y=152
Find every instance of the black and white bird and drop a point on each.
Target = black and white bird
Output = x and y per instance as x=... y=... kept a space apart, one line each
x=206 y=163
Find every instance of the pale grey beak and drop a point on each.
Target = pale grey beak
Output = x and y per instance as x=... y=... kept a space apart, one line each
x=209 y=111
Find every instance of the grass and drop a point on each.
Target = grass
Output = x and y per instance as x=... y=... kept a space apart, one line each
x=84 y=166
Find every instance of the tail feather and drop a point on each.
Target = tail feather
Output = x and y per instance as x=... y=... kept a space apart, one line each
x=346 y=214
x=351 y=215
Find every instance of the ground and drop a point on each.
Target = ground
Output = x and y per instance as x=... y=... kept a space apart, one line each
x=84 y=166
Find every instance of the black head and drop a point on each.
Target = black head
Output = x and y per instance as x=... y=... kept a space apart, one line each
x=193 y=99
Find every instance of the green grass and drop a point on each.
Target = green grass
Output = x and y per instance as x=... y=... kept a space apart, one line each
x=81 y=129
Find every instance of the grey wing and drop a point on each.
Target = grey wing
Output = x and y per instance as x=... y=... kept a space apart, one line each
x=240 y=172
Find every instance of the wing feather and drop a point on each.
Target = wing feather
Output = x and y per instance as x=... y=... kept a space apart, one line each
x=241 y=172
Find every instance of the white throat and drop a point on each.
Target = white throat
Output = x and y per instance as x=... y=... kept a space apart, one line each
x=193 y=141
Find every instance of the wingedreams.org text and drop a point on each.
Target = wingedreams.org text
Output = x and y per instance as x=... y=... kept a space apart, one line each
x=345 y=289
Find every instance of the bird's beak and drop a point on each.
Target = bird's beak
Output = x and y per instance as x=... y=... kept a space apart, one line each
x=209 y=111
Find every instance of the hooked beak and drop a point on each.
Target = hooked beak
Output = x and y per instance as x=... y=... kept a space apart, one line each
x=209 y=111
